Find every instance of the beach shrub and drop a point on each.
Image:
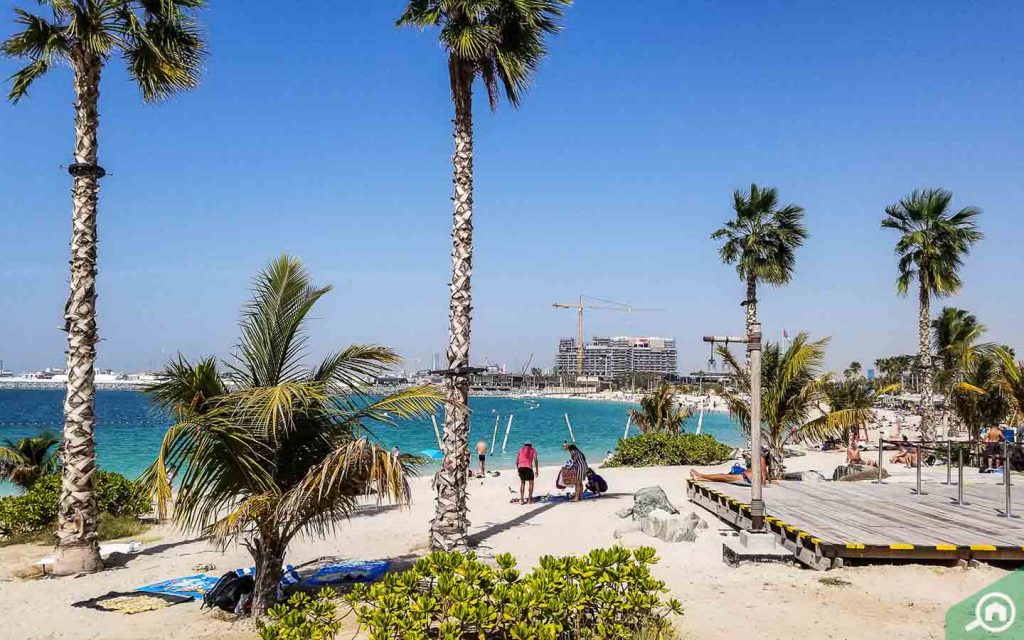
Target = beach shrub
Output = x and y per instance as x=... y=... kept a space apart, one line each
x=302 y=617
x=36 y=509
x=608 y=594
x=662 y=449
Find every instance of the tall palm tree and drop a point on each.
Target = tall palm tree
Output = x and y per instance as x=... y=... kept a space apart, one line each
x=24 y=461
x=792 y=392
x=761 y=241
x=269 y=448
x=659 y=412
x=932 y=245
x=502 y=43
x=854 y=370
x=162 y=48
x=851 y=402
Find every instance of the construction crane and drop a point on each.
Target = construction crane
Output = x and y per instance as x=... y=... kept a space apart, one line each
x=588 y=302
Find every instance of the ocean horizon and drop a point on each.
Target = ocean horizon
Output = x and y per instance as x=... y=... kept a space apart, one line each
x=129 y=428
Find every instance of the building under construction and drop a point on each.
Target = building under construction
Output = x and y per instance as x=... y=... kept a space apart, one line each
x=618 y=356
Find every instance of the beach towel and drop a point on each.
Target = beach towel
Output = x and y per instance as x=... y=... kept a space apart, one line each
x=198 y=585
x=352 y=571
x=549 y=499
x=187 y=587
x=131 y=602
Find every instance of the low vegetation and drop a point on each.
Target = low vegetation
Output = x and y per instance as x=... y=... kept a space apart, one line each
x=662 y=449
x=119 y=501
x=302 y=617
x=608 y=594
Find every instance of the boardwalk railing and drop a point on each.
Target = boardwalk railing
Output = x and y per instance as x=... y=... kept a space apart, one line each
x=980 y=451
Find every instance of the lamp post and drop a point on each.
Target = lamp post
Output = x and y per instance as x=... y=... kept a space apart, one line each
x=753 y=342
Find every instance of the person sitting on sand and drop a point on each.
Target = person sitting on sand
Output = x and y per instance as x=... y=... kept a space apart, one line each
x=903 y=455
x=744 y=479
x=853 y=457
x=529 y=468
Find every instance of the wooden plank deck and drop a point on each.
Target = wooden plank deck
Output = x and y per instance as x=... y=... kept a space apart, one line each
x=824 y=523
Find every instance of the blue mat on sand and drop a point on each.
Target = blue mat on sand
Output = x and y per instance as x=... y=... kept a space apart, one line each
x=188 y=587
x=342 y=572
x=587 y=495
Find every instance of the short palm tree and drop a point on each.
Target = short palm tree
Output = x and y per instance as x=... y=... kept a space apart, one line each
x=792 y=392
x=851 y=403
x=502 y=43
x=978 y=397
x=659 y=412
x=955 y=331
x=931 y=248
x=268 y=448
x=1011 y=381
x=24 y=461
x=761 y=241
x=162 y=48
x=854 y=370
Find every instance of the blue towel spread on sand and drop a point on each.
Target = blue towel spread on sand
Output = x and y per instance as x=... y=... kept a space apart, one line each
x=353 y=571
x=188 y=587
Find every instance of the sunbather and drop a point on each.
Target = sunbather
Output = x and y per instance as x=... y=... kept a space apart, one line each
x=853 y=457
x=745 y=479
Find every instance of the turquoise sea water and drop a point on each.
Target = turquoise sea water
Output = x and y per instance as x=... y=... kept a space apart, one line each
x=129 y=429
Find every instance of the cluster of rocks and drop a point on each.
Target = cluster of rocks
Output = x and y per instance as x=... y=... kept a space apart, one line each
x=655 y=516
x=856 y=472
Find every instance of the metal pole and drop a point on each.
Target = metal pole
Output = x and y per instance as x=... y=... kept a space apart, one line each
x=756 y=496
x=508 y=430
x=917 y=449
x=960 y=476
x=569 y=424
x=1006 y=478
x=881 y=441
x=494 y=438
x=949 y=462
x=625 y=434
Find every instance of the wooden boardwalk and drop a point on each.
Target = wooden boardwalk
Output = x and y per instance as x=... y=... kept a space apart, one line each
x=824 y=523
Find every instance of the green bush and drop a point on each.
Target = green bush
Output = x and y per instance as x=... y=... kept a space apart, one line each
x=609 y=594
x=36 y=509
x=303 y=617
x=662 y=449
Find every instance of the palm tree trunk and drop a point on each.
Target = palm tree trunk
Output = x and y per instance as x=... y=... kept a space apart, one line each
x=77 y=537
x=450 y=524
x=925 y=355
x=268 y=553
x=751 y=308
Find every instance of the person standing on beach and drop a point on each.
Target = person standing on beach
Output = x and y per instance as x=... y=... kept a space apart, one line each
x=529 y=468
x=481 y=450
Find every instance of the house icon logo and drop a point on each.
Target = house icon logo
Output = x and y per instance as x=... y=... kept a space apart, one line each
x=990 y=613
x=995 y=613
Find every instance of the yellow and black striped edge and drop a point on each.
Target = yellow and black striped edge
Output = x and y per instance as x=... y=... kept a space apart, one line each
x=858 y=549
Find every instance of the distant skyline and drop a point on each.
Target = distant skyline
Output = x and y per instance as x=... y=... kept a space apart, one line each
x=329 y=139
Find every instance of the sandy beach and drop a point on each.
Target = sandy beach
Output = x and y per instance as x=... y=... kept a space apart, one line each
x=787 y=601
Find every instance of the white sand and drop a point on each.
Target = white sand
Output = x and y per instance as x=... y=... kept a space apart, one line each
x=906 y=601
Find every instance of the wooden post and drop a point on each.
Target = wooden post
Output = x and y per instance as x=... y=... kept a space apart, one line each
x=494 y=438
x=508 y=429
x=569 y=424
x=437 y=432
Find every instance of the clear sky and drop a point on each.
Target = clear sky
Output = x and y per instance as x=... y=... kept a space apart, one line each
x=323 y=131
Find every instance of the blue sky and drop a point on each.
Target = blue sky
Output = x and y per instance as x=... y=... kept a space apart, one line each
x=326 y=134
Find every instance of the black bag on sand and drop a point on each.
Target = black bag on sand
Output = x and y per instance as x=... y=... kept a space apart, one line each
x=228 y=591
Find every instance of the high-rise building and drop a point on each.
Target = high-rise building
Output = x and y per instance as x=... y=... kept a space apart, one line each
x=619 y=355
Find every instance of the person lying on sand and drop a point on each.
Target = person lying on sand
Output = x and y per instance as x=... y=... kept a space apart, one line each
x=744 y=479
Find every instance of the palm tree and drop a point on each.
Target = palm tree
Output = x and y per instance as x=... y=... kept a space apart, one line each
x=979 y=397
x=955 y=331
x=24 y=461
x=851 y=403
x=162 y=49
x=502 y=43
x=659 y=412
x=931 y=248
x=792 y=392
x=761 y=241
x=269 y=448
x=1011 y=382
x=853 y=371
